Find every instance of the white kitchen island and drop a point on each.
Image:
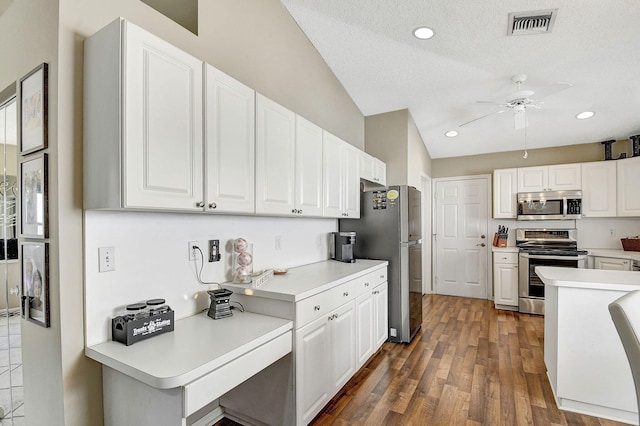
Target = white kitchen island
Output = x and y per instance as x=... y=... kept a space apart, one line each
x=586 y=363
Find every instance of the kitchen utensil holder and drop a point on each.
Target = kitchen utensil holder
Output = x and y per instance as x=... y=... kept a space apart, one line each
x=132 y=331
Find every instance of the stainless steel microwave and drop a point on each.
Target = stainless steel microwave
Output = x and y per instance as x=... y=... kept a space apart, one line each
x=549 y=205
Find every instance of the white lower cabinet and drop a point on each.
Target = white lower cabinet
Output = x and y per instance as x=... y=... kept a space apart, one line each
x=313 y=360
x=364 y=312
x=325 y=345
x=336 y=331
x=505 y=280
x=611 y=263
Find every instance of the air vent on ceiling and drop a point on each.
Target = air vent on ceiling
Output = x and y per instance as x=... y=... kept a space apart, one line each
x=535 y=22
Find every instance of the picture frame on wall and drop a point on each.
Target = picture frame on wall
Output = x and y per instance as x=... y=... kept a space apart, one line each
x=34 y=89
x=34 y=199
x=35 y=282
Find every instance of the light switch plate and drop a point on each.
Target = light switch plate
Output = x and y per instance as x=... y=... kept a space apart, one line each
x=107 y=259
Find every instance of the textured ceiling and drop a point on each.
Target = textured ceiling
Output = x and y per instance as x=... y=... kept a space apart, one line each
x=595 y=46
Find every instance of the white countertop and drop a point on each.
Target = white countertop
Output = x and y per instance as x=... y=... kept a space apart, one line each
x=598 y=279
x=308 y=280
x=619 y=254
x=197 y=346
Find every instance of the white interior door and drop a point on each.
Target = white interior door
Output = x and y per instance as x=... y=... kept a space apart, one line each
x=462 y=217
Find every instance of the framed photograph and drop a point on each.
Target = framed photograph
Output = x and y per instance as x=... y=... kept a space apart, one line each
x=34 y=197
x=33 y=110
x=35 y=282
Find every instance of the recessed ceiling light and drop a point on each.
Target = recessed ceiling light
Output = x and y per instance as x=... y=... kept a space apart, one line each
x=451 y=134
x=584 y=115
x=423 y=33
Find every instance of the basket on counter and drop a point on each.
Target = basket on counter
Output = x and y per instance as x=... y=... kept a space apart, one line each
x=630 y=244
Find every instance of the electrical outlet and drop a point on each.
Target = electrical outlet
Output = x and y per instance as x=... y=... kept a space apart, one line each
x=107 y=259
x=214 y=250
x=612 y=232
x=193 y=253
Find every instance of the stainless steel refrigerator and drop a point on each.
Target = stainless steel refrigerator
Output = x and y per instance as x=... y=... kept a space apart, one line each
x=389 y=229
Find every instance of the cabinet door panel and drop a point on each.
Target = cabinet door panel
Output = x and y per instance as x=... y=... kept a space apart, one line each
x=381 y=314
x=275 y=157
x=162 y=124
x=308 y=171
x=533 y=179
x=332 y=176
x=312 y=364
x=505 y=279
x=230 y=144
x=504 y=193
x=599 y=189
x=351 y=165
x=565 y=177
x=628 y=188
x=364 y=325
x=343 y=345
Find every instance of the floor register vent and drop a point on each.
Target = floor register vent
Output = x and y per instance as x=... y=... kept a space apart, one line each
x=535 y=22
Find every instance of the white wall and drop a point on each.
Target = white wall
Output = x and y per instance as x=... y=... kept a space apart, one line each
x=151 y=257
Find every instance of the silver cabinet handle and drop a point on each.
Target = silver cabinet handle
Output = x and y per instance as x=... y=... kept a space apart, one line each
x=213 y=205
x=200 y=204
x=345 y=294
x=316 y=308
x=366 y=284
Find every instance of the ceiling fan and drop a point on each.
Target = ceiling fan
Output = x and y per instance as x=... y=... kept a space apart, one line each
x=520 y=101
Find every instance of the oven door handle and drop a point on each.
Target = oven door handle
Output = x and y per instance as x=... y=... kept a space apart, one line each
x=565 y=207
x=551 y=257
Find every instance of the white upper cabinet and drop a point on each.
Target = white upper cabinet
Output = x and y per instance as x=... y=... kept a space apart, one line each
x=599 y=189
x=275 y=157
x=565 y=177
x=288 y=162
x=372 y=169
x=629 y=186
x=143 y=122
x=549 y=178
x=230 y=144
x=504 y=193
x=341 y=176
x=308 y=168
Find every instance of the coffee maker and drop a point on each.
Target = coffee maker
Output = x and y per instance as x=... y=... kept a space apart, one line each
x=341 y=246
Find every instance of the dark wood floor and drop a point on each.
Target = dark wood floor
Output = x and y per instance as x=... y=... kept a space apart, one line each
x=469 y=365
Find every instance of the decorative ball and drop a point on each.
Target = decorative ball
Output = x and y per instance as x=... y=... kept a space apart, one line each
x=242 y=274
x=239 y=245
x=244 y=259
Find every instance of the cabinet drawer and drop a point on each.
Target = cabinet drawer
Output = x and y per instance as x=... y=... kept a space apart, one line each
x=367 y=282
x=505 y=257
x=215 y=384
x=342 y=294
x=312 y=307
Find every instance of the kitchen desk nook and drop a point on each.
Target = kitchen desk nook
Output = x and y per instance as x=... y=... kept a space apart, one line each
x=166 y=379
x=586 y=363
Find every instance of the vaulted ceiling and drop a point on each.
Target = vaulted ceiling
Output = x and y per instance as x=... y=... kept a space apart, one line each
x=594 y=45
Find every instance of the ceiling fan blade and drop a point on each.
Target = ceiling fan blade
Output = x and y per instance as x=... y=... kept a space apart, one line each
x=551 y=89
x=500 y=111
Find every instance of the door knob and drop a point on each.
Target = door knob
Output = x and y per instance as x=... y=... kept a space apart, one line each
x=481 y=245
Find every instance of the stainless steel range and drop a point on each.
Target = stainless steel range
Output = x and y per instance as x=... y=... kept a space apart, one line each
x=544 y=247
